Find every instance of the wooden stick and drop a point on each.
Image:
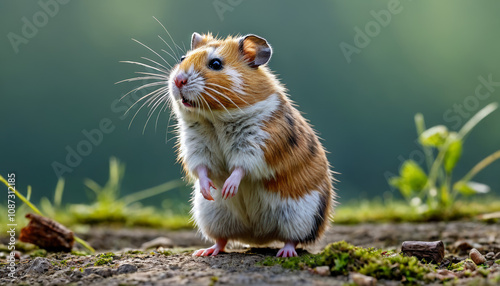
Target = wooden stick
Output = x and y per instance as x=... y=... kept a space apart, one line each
x=432 y=251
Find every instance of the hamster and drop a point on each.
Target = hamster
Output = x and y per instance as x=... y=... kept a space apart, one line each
x=259 y=170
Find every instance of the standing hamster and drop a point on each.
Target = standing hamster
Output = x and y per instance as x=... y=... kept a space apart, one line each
x=260 y=172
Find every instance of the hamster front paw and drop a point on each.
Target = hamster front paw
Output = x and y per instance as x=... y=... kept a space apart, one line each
x=205 y=183
x=232 y=183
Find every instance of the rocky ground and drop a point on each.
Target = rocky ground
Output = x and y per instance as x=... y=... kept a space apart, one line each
x=155 y=257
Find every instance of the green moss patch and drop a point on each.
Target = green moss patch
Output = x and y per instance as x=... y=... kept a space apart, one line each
x=104 y=258
x=343 y=258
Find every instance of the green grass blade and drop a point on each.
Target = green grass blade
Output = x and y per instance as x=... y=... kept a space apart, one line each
x=20 y=196
x=477 y=118
x=481 y=165
x=140 y=195
x=59 y=192
x=28 y=195
x=84 y=244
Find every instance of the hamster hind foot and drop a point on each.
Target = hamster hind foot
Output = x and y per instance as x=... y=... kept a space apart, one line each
x=219 y=245
x=288 y=250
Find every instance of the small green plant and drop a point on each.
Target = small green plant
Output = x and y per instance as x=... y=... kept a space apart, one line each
x=435 y=191
x=104 y=258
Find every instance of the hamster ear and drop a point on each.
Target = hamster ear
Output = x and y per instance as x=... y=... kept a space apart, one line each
x=255 y=50
x=196 y=40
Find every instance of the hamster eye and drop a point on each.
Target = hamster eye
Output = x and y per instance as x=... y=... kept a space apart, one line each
x=182 y=58
x=215 y=64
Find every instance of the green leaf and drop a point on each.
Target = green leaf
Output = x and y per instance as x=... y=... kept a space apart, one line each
x=404 y=188
x=453 y=153
x=412 y=178
x=471 y=188
x=434 y=136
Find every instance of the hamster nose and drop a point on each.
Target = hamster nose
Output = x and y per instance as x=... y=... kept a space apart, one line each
x=180 y=80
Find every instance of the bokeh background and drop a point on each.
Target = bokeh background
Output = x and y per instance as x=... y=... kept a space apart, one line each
x=428 y=57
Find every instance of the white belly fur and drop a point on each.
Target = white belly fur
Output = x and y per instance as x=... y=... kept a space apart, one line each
x=254 y=215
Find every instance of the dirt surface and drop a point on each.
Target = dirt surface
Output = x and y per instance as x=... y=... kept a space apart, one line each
x=169 y=261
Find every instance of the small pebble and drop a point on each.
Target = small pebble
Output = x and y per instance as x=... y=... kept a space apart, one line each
x=476 y=256
x=469 y=265
x=489 y=255
x=322 y=270
x=497 y=256
x=363 y=280
x=462 y=246
x=157 y=242
x=445 y=274
x=39 y=265
x=126 y=268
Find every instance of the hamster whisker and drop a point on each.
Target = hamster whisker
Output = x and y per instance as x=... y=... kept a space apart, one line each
x=208 y=106
x=141 y=78
x=157 y=103
x=154 y=92
x=198 y=103
x=223 y=87
x=176 y=58
x=156 y=83
x=169 y=103
x=154 y=74
x=225 y=96
x=208 y=93
x=165 y=51
x=150 y=49
x=163 y=89
x=172 y=39
x=160 y=112
x=157 y=63
x=184 y=47
x=145 y=65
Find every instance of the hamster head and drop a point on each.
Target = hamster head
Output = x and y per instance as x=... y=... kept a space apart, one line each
x=223 y=74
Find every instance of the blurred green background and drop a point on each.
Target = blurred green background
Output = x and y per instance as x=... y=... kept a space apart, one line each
x=428 y=57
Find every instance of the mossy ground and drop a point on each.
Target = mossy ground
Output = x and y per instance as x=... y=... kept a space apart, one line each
x=343 y=258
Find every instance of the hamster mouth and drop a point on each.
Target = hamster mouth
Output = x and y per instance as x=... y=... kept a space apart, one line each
x=186 y=102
